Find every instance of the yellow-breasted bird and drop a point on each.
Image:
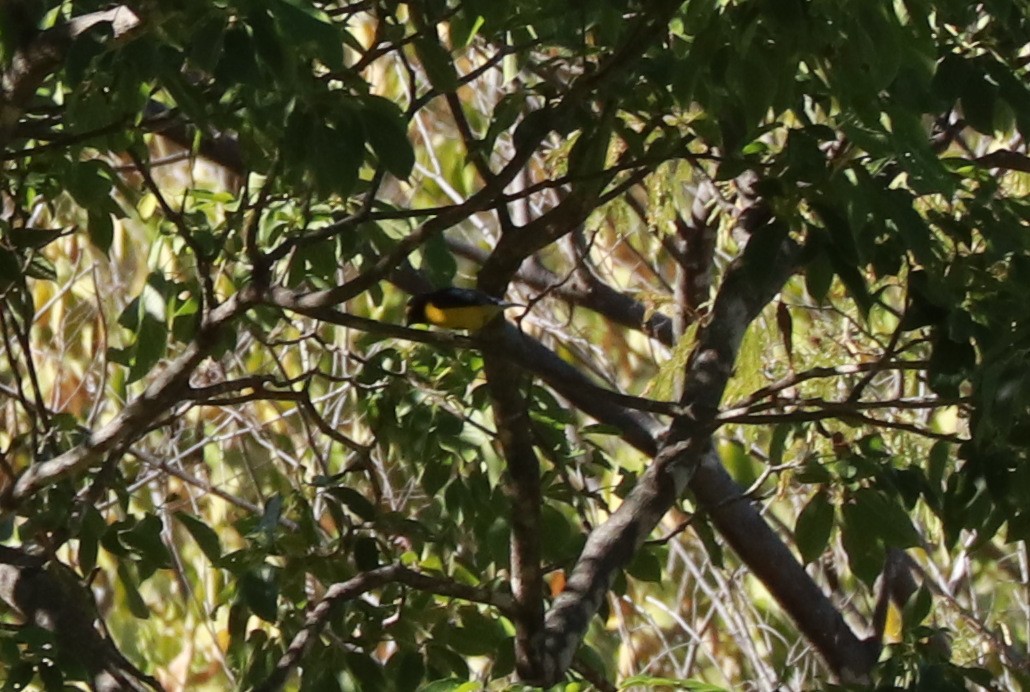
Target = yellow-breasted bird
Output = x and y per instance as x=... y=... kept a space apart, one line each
x=455 y=308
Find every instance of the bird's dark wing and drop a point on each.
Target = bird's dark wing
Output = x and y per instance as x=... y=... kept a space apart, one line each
x=452 y=297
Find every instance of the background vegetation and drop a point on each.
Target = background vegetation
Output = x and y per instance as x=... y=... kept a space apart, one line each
x=761 y=424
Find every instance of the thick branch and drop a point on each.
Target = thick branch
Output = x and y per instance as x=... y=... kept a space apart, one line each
x=739 y=522
x=513 y=248
x=750 y=283
x=596 y=296
x=1005 y=158
x=51 y=596
x=773 y=564
x=523 y=489
x=218 y=147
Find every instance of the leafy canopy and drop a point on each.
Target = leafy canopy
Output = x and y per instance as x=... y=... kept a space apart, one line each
x=773 y=260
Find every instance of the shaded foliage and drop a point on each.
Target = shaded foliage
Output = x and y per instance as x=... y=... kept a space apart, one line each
x=773 y=262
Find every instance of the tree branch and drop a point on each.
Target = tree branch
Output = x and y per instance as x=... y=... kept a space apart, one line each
x=523 y=488
x=750 y=283
x=596 y=296
x=169 y=387
x=363 y=583
x=50 y=595
x=738 y=521
x=32 y=64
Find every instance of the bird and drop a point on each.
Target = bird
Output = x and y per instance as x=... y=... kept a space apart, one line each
x=455 y=308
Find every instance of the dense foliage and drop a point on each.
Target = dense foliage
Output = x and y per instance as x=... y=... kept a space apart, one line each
x=761 y=421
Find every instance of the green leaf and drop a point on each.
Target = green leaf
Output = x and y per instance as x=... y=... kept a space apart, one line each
x=354 y=501
x=778 y=443
x=697 y=15
x=314 y=264
x=150 y=346
x=93 y=527
x=90 y=184
x=101 y=230
x=10 y=268
x=82 y=53
x=334 y=154
x=506 y=113
x=209 y=42
x=646 y=566
x=588 y=154
x=146 y=538
x=898 y=530
x=444 y=685
x=270 y=517
x=237 y=63
x=366 y=671
x=133 y=599
x=320 y=679
x=859 y=536
x=730 y=168
x=940 y=456
x=979 y=99
x=303 y=25
x=111 y=538
x=269 y=46
x=437 y=63
x=873 y=446
x=949 y=80
x=387 y=133
x=435 y=474
x=806 y=162
x=185 y=317
x=744 y=469
x=814 y=526
x=204 y=535
x=818 y=277
x=464 y=27
x=478 y=635
x=366 y=553
x=703 y=528
x=533 y=127
x=438 y=264
x=855 y=283
x=443 y=659
x=559 y=531
x=39 y=267
x=654 y=682
x=951 y=364
x=32 y=238
x=259 y=591
x=917 y=609
x=406 y=669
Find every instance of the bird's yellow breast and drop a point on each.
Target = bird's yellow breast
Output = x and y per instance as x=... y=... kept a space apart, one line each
x=470 y=317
